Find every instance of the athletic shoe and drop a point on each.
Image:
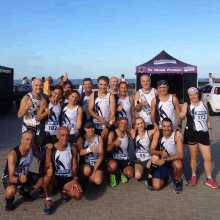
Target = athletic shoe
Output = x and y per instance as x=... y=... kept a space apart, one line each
x=9 y=204
x=211 y=183
x=183 y=180
x=177 y=186
x=124 y=179
x=65 y=197
x=25 y=194
x=48 y=207
x=148 y=182
x=113 y=182
x=193 y=181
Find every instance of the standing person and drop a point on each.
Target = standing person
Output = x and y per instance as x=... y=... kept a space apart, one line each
x=211 y=78
x=63 y=79
x=87 y=84
x=118 y=148
x=171 y=154
x=91 y=150
x=165 y=106
x=143 y=99
x=113 y=85
x=125 y=105
x=67 y=88
x=72 y=116
x=198 y=129
x=49 y=115
x=17 y=172
x=102 y=107
x=122 y=79
x=25 y=80
x=29 y=106
x=43 y=79
x=61 y=171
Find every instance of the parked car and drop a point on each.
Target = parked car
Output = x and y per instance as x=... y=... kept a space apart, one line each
x=211 y=95
x=19 y=91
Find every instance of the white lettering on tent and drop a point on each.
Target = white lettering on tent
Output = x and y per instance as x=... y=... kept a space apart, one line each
x=159 y=70
x=164 y=61
x=186 y=69
x=149 y=69
x=174 y=70
x=5 y=71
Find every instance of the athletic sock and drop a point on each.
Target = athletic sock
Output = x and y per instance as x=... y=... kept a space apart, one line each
x=194 y=175
x=209 y=177
x=152 y=170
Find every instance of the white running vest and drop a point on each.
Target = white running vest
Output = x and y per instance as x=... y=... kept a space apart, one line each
x=69 y=118
x=25 y=163
x=31 y=115
x=167 y=110
x=63 y=162
x=91 y=158
x=142 y=151
x=200 y=116
x=126 y=111
x=102 y=109
x=52 y=120
x=168 y=144
x=145 y=112
x=85 y=105
x=121 y=152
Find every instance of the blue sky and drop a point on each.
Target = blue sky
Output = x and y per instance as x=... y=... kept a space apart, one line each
x=93 y=38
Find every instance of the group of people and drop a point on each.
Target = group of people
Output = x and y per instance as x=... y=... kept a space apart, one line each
x=77 y=137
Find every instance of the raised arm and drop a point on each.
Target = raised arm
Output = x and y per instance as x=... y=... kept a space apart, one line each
x=26 y=103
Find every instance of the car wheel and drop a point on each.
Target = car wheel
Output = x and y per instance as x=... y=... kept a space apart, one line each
x=211 y=113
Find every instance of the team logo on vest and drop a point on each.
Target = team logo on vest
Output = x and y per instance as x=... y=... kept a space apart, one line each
x=52 y=115
x=65 y=117
x=60 y=168
x=98 y=110
x=162 y=113
x=139 y=145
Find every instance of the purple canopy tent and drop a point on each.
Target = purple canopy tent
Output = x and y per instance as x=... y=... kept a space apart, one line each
x=180 y=75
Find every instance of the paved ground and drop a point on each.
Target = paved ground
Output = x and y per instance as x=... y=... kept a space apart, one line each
x=127 y=201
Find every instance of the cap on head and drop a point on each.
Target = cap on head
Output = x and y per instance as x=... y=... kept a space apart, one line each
x=89 y=124
x=162 y=82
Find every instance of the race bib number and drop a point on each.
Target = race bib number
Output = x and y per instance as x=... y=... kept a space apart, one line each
x=64 y=172
x=120 y=156
x=51 y=126
x=91 y=160
x=142 y=154
x=202 y=117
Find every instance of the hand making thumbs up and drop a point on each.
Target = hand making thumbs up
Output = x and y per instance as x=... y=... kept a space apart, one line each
x=23 y=177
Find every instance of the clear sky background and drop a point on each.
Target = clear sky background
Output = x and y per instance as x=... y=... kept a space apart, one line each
x=93 y=38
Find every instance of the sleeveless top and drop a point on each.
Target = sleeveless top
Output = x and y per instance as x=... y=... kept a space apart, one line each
x=85 y=105
x=52 y=120
x=91 y=158
x=22 y=164
x=197 y=117
x=62 y=162
x=168 y=144
x=142 y=147
x=126 y=109
x=145 y=112
x=165 y=110
x=121 y=152
x=69 y=118
x=29 y=118
x=102 y=109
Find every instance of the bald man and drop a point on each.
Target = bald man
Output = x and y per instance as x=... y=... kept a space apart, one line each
x=17 y=172
x=143 y=98
x=29 y=106
x=61 y=170
x=113 y=85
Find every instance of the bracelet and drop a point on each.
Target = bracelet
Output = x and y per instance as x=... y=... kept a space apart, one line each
x=88 y=150
x=210 y=128
x=165 y=159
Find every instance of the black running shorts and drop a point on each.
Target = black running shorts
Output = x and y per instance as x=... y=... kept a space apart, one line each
x=194 y=137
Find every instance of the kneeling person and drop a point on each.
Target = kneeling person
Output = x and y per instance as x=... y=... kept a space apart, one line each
x=17 y=172
x=61 y=170
x=171 y=153
x=91 y=150
x=143 y=159
x=118 y=146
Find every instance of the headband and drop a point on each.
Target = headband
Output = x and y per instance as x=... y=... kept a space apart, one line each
x=193 y=89
x=162 y=82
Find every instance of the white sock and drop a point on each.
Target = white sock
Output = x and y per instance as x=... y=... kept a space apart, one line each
x=49 y=198
x=194 y=175
x=209 y=177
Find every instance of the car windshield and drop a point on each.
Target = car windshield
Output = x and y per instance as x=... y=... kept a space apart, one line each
x=217 y=90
